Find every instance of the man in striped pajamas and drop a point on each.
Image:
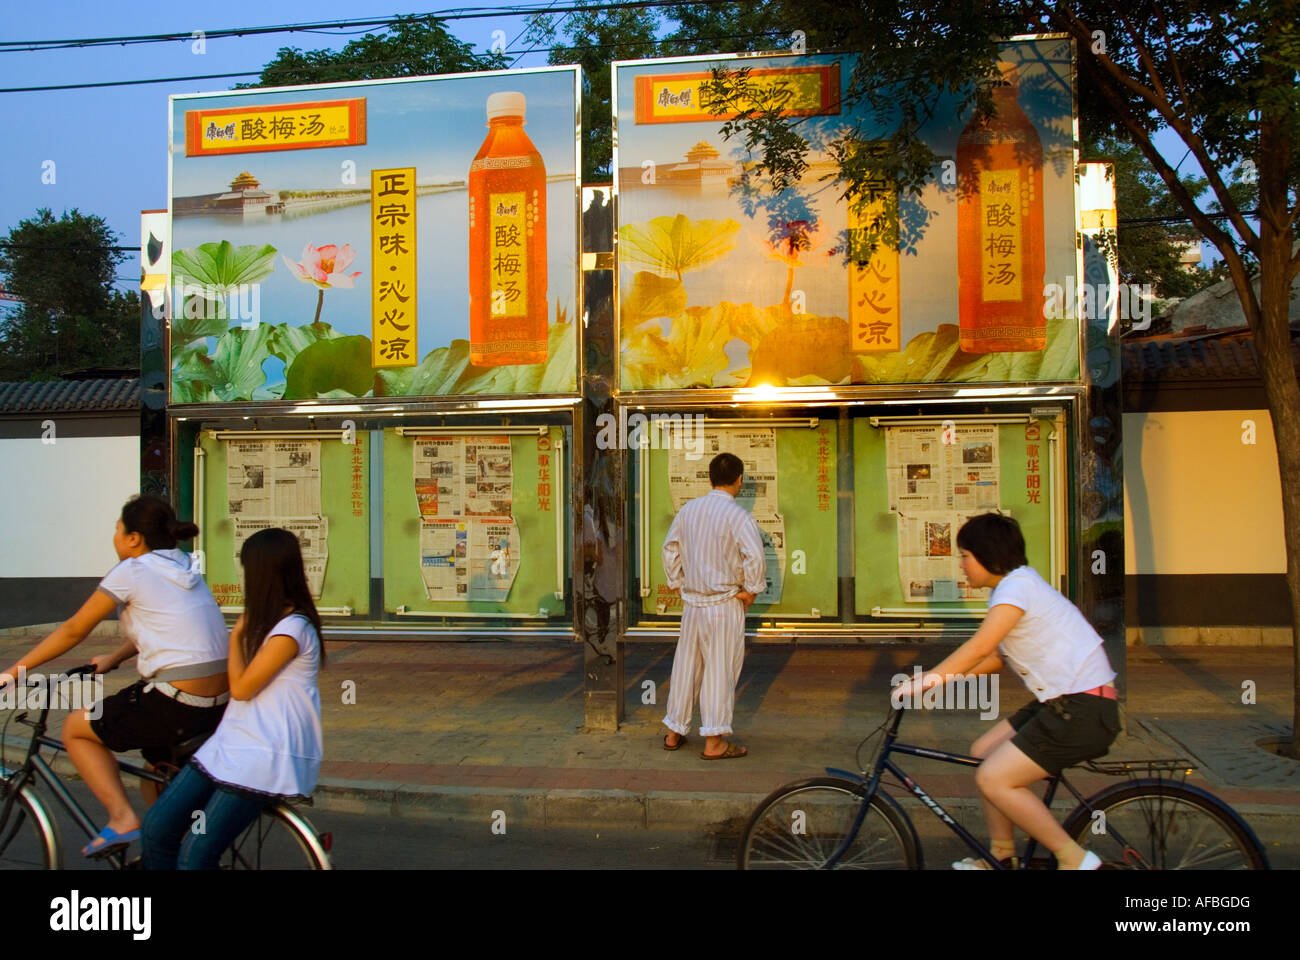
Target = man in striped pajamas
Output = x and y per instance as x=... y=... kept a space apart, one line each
x=714 y=556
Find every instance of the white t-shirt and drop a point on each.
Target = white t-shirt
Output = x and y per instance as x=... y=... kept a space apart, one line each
x=169 y=613
x=1052 y=647
x=273 y=743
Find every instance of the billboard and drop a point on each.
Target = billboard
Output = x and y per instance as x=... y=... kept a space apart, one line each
x=725 y=282
x=414 y=237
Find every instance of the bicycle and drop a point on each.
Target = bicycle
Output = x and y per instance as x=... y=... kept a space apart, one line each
x=845 y=821
x=280 y=838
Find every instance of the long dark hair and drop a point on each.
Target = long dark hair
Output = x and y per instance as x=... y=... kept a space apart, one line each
x=155 y=520
x=273 y=580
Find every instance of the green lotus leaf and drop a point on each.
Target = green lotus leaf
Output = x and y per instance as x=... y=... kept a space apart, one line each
x=195 y=321
x=434 y=377
x=556 y=375
x=1059 y=360
x=673 y=245
x=651 y=297
x=340 y=363
x=222 y=267
x=236 y=366
x=287 y=342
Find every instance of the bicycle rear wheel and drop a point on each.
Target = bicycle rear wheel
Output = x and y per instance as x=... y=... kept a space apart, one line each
x=279 y=839
x=800 y=827
x=1157 y=825
x=29 y=837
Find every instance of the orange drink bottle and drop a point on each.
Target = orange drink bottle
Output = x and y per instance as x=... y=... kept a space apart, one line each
x=1000 y=254
x=507 y=241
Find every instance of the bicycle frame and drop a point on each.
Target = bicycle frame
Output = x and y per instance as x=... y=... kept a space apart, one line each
x=884 y=764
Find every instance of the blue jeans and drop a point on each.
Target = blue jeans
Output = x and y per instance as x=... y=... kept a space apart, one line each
x=168 y=835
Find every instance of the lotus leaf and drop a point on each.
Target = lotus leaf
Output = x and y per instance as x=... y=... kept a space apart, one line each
x=928 y=357
x=556 y=375
x=692 y=355
x=436 y=375
x=1057 y=361
x=341 y=363
x=287 y=342
x=672 y=245
x=222 y=267
x=651 y=297
x=233 y=372
x=805 y=345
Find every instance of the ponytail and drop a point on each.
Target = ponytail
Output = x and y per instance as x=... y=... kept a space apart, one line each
x=155 y=520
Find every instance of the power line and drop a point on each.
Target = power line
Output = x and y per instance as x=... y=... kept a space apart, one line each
x=455 y=13
x=336 y=66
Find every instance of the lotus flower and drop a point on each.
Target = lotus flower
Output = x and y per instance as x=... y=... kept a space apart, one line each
x=324 y=266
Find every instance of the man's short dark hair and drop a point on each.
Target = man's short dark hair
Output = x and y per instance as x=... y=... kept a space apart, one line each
x=996 y=542
x=725 y=469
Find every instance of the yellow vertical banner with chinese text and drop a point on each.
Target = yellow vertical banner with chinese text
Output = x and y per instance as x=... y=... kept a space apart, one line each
x=874 y=310
x=393 y=293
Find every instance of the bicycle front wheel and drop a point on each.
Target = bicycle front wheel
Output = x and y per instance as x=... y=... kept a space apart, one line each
x=279 y=839
x=29 y=836
x=1156 y=825
x=801 y=826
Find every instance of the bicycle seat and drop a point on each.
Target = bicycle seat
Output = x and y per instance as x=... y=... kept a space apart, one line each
x=182 y=751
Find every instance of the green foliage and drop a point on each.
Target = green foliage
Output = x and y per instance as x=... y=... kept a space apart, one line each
x=70 y=318
x=414 y=46
x=331 y=364
x=209 y=273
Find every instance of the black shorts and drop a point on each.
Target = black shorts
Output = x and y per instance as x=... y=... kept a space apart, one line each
x=1066 y=730
x=151 y=722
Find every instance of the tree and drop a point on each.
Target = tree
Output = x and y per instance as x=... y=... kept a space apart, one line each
x=70 y=316
x=594 y=38
x=412 y=47
x=1220 y=76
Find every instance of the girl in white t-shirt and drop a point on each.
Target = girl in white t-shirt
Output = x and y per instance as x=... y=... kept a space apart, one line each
x=1075 y=713
x=269 y=743
x=171 y=619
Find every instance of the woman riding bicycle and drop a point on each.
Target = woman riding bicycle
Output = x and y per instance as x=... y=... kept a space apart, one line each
x=1075 y=714
x=171 y=619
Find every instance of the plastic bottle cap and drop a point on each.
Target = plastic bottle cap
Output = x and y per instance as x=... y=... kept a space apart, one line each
x=507 y=104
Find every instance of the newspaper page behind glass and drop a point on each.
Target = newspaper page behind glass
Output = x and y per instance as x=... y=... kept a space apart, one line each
x=313 y=539
x=469 y=542
x=688 y=478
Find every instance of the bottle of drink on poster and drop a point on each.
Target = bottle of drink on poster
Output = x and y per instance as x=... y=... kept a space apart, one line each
x=507 y=241
x=1000 y=245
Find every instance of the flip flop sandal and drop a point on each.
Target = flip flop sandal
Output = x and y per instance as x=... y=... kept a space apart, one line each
x=681 y=742
x=109 y=840
x=731 y=753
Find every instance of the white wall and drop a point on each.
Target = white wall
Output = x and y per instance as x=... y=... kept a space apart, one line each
x=60 y=501
x=1197 y=499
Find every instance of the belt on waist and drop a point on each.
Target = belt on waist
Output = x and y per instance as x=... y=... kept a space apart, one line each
x=189 y=699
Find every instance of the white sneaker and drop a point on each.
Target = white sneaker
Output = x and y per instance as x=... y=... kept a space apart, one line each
x=970 y=863
x=1090 y=862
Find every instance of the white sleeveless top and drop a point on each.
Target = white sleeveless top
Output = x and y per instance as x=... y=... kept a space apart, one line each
x=272 y=744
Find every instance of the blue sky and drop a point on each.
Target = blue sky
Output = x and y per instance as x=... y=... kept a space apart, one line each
x=108 y=146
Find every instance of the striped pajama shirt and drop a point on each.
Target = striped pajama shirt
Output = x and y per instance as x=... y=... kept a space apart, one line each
x=713 y=551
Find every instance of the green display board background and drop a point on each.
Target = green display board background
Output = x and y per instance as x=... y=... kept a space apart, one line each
x=534 y=588
x=806 y=527
x=347 y=573
x=876 y=527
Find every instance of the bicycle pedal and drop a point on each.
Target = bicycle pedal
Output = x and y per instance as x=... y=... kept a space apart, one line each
x=108 y=850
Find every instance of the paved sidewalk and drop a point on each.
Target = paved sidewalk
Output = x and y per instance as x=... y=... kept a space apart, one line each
x=448 y=730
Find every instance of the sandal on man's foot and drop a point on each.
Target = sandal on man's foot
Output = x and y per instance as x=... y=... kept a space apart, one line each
x=109 y=840
x=731 y=753
x=681 y=741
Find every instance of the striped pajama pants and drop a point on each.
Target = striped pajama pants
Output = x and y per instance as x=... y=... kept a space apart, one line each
x=707 y=665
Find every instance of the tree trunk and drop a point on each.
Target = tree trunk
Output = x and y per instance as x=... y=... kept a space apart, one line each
x=1277 y=366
